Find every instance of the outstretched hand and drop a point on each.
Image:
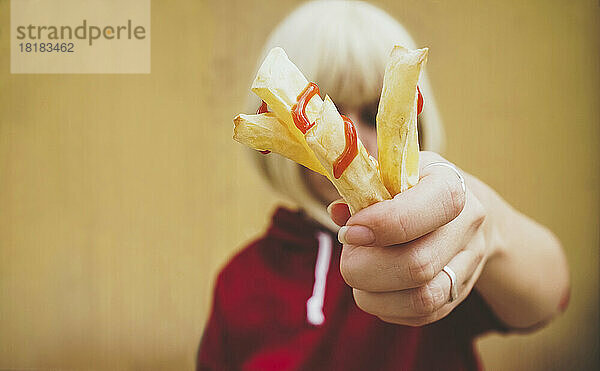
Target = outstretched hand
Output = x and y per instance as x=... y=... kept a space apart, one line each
x=395 y=251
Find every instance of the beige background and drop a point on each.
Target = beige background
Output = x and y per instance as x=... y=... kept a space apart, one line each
x=122 y=195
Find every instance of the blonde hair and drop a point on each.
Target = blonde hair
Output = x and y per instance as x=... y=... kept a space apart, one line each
x=344 y=47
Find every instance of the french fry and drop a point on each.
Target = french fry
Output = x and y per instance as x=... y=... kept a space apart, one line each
x=278 y=83
x=397 y=135
x=266 y=132
x=326 y=142
x=359 y=184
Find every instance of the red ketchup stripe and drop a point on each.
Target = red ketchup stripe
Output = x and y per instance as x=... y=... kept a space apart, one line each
x=299 y=109
x=263 y=108
x=419 y=102
x=350 y=150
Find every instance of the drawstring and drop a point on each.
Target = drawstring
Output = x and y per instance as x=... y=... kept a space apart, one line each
x=314 y=305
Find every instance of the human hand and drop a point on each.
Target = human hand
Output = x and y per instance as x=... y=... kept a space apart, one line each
x=395 y=251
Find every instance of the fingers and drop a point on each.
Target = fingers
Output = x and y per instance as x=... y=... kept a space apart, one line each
x=438 y=198
x=410 y=305
x=412 y=264
x=394 y=251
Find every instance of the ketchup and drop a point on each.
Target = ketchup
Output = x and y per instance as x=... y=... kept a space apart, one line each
x=263 y=109
x=419 y=102
x=350 y=150
x=299 y=109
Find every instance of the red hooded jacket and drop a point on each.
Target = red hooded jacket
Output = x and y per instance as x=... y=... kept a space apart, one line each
x=262 y=318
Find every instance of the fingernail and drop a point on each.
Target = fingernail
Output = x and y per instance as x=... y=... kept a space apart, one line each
x=333 y=204
x=339 y=209
x=329 y=208
x=356 y=235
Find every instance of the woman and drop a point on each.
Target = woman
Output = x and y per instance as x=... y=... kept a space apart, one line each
x=420 y=275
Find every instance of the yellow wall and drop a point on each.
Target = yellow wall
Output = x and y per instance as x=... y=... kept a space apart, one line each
x=122 y=195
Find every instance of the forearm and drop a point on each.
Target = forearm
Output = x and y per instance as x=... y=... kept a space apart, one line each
x=526 y=277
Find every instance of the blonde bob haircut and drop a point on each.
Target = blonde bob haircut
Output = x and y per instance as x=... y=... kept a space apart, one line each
x=343 y=46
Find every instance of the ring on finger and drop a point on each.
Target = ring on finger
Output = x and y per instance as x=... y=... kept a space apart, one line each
x=448 y=165
x=453 y=285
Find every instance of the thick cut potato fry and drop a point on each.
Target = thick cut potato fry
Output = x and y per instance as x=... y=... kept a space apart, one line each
x=279 y=82
x=266 y=132
x=360 y=184
x=397 y=136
